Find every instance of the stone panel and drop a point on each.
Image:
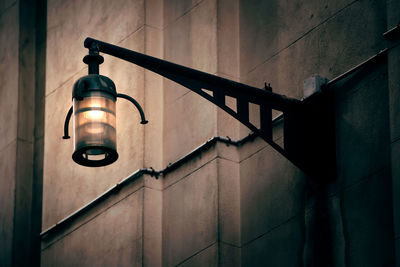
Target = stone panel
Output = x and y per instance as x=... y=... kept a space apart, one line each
x=188 y=122
x=271 y=192
x=228 y=38
x=228 y=152
x=397 y=249
x=174 y=9
x=252 y=146
x=339 y=44
x=113 y=238
x=9 y=76
x=362 y=125
x=154 y=13
x=287 y=70
x=23 y=217
x=7 y=193
x=368 y=221
x=190 y=215
x=229 y=202
x=70 y=22
x=329 y=50
x=324 y=243
x=27 y=71
x=152 y=228
x=207 y=257
x=282 y=246
x=191 y=41
x=229 y=256
x=189 y=167
x=394 y=92
x=6 y=4
x=267 y=27
x=396 y=187
x=67 y=185
x=228 y=58
x=88 y=213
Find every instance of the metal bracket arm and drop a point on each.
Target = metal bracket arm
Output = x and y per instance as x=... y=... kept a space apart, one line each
x=298 y=115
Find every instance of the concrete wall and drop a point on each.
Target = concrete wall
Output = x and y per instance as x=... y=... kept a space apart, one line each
x=22 y=43
x=229 y=205
x=285 y=44
x=9 y=106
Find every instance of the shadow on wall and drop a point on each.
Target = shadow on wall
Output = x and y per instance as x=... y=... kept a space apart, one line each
x=350 y=220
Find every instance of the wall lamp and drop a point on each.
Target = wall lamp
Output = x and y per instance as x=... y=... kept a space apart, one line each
x=308 y=131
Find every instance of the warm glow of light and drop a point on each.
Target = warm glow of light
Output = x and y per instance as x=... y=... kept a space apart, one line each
x=94 y=115
x=95 y=130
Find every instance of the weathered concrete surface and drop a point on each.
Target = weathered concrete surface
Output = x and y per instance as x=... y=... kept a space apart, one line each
x=228 y=60
x=272 y=26
x=188 y=122
x=266 y=182
x=393 y=18
x=229 y=221
x=282 y=246
x=362 y=134
x=113 y=238
x=396 y=184
x=9 y=77
x=152 y=227
x=8 y=126
x=206 y=257
x=277 y=48
x=191 y=40
x=7 y=4
x=190 y=215
x=229 y=256
x=19 y=66
x=174 y=9
x=7 y=189
x=324 y=238
x=70 y=22
x=319 y=50
x=367 y=221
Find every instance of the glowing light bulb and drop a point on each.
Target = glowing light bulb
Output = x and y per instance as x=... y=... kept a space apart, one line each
x=94 y=114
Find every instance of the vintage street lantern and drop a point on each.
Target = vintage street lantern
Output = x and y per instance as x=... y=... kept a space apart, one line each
x=308 y=124
x=94 y=116
x=94 y=124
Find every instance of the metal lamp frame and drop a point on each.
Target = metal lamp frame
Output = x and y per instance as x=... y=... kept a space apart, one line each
x=308 y=132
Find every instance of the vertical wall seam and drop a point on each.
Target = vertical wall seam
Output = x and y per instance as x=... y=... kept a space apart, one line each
x=143 y=214
x=39 y=117
x=13 y=254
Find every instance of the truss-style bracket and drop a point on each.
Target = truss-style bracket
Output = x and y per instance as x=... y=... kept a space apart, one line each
x=308 y=129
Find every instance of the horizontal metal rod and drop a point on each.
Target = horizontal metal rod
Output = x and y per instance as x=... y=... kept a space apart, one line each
x=189 y=77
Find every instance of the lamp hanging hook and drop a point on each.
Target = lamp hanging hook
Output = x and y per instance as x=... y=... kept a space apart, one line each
x=66 y=124
x=137 y=105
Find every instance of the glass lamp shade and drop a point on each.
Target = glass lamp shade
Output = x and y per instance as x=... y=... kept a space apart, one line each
x=94 y=130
